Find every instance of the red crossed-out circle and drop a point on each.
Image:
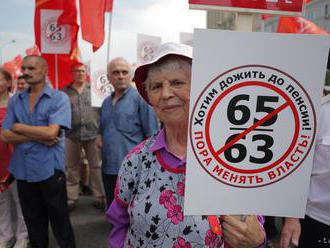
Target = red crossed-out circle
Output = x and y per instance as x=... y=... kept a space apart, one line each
x=47 y=37
x=289 y=103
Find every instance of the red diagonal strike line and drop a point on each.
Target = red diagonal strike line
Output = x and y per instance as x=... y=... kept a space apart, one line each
x=52 y=33
x=255 y=125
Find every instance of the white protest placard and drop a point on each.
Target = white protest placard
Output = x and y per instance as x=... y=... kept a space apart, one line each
x=100 y=85
x=147 y=46
x=254 y=105
x=55 y=39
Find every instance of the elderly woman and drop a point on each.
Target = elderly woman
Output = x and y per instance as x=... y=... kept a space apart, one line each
x=149 y=197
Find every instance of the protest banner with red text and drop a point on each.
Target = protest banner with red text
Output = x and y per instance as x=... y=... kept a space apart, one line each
x=253 y=119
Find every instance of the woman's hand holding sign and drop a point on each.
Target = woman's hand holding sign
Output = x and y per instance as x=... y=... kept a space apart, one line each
x=240 y=233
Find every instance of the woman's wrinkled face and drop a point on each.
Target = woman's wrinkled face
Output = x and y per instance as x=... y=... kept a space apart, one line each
x=168 y=88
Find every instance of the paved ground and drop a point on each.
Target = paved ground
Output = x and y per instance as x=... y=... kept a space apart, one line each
x=90 y=226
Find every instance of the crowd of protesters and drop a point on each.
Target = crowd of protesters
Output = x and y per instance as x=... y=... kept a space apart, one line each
x=136 y=170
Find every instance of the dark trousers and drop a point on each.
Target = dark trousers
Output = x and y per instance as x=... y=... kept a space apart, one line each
x=109 y=183
x=42 y=202
x=314 y=234
x=270 y=227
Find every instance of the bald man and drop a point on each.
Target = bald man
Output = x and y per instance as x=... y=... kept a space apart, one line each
x=35 y=123
x=126 y=120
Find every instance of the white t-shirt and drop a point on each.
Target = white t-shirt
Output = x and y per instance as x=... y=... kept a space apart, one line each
x=318 y=204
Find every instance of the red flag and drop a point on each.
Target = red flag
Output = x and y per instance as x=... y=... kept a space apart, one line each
x=69 y=17
x=33 y=51
x=298 y=25
x=64 y=60
x=92 y=21
x=14 y=66
x=108 y=5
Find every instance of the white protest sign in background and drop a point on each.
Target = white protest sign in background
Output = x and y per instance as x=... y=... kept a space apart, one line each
x=253 y=109
x=187 y=38
x=147 y=47
x=100 y=85
x=54 y=39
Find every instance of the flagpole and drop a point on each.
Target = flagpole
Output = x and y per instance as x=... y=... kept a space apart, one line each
x=109 y=34
x=56 y=71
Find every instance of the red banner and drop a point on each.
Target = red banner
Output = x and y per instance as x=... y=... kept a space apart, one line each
x=262 y=5
x=108 y=5
x=92 y=21
x=266 y=17
x=69 y=17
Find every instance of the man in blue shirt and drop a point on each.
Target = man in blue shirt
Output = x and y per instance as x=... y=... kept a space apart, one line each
x=126 y=120
x=34 y=124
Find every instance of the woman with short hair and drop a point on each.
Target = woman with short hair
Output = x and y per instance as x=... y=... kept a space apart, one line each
x=149 y=197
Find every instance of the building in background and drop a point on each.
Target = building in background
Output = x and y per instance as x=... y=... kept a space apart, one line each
x=220 y=20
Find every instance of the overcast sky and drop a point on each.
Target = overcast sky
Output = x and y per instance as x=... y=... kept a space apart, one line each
x=165 y=18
